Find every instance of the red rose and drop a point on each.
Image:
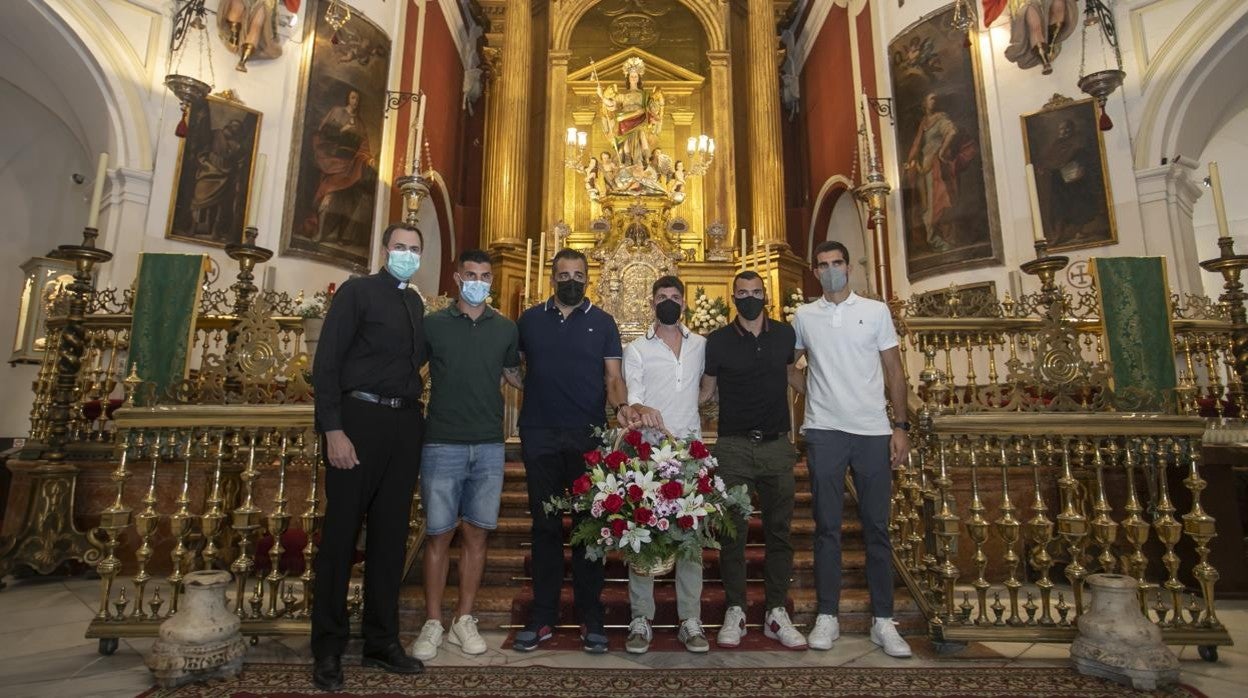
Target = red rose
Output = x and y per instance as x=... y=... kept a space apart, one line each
x=618 y=526
x=615 y=459
x=697 y=449
x=635 y=493
x=593 y=457
x=612 y=503
x=704 y=485
x=672 y=490
x=581 y=485
x=685 y=522
x=643 y=451
x=642 y=515
x=633 y=438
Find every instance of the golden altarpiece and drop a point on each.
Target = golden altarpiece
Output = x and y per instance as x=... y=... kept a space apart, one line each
x=1031 y=467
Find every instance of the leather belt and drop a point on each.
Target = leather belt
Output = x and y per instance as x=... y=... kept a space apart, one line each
x=397 y=403
x=757 y=436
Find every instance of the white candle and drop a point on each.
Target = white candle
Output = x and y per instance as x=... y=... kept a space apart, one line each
x=528 y=268
x=758 y=243
x=1219 y=206
x=702 y=143
x=541 y=257
x=1037 y=224
x=582 y=139
x=97 y=191
x=571 y=135
x=414 y=163
x=693 y=144
x=710 y=145
x=866 y=120
x=742 y=235
x=257 y=191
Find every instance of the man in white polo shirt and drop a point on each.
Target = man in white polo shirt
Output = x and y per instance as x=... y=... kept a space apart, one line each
x=663 y=370
x=851 y=348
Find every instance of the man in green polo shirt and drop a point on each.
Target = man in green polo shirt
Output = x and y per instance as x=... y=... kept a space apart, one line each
x=471 y=349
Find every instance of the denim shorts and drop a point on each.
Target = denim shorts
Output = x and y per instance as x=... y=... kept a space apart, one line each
x=461 y=481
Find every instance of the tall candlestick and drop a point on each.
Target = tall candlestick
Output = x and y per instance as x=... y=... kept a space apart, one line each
x=257 y=190
x=758 y=243
x=1219 y=206
x=1037 y=224
x=97 y=192
x=528 y=268
x=743 y=242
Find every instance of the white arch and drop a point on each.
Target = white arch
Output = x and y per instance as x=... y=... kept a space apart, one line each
x=834 y=182
x=1185 y=87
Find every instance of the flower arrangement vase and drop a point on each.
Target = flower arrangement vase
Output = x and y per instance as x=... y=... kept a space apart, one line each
x=312 y=334
x=202 y=640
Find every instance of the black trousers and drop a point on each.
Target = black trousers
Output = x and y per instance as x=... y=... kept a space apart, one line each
x=553 y=458
x=379 y=491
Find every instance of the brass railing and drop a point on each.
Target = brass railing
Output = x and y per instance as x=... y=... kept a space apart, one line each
x=207 y=486
x=1032 y=469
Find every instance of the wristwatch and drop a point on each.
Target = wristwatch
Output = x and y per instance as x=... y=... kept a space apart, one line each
x=904 y=426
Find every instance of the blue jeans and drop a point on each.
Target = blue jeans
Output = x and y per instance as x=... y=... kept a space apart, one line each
x=461 y=481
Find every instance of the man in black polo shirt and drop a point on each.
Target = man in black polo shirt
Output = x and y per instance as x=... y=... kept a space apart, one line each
x=368 y=387
x=748 y=361
x=572 y=355
x=471 y=347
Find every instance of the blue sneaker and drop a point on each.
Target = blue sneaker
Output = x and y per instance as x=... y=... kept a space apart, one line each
x=533 y=635
x=594 y=640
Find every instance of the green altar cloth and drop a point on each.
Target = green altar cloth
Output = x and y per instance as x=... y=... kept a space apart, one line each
x=162 y=332
x=1135 y=321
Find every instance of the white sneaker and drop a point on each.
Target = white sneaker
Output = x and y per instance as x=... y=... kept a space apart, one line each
x=827 y=630
x=426 y=645
x=884 y=633
x=777 y=626
x=464 y=634
x=639 y=636
x=733 y=629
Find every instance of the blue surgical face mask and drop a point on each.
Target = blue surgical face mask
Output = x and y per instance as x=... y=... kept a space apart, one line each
x=833 y=279
x=402 y=263
x=474 y=292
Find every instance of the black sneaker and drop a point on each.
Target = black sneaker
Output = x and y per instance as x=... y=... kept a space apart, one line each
x=594 y=640
x=528 y=639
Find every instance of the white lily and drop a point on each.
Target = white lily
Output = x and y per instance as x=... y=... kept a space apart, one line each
x=634 y=538
x=663 y=453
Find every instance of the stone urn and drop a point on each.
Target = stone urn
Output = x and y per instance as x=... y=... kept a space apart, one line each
x=202 y=640
x=311 y=335
x=1117 y=642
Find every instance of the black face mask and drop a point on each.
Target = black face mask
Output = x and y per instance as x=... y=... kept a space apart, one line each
x=749 y=307
x=570 y=291
x=668 y=312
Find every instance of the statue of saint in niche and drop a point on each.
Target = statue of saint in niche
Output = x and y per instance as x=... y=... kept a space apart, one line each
x=632 y=116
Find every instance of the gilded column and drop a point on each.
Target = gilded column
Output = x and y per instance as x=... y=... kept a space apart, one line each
x=720 y=198
x=507 y=140
x=765 y=149
x=556 y=110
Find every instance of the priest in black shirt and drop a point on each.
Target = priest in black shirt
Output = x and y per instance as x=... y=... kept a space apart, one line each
x=368 y=388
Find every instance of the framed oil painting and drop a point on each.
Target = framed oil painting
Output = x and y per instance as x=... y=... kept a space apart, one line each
x=332 y=184
x=948 y=195
x=1064 y=142
x=212 y=179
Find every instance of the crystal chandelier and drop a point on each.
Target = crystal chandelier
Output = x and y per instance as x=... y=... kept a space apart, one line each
x=701 y=153
x=188 y=16
x=1098 y=20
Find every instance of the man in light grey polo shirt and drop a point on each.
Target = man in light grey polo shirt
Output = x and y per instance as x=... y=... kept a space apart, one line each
x=851 y=347
x=663 y=371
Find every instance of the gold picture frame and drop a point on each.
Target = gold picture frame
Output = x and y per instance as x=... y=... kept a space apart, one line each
x=211 y=196
x=1072 y=174
x=333 y=183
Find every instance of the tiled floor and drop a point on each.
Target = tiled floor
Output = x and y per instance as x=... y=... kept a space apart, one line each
x=43 y=651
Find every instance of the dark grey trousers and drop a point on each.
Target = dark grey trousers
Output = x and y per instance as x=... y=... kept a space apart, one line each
x=830 y=453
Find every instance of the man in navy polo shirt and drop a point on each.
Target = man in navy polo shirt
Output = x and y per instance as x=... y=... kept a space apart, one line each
x=572 y=355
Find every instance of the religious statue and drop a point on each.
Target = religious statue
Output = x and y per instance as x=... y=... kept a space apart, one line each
x=632 y=116
x=249 y=28
x=1037 y=30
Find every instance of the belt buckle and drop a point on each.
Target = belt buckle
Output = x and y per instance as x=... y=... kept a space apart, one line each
x=755 y=436
x=394 y=403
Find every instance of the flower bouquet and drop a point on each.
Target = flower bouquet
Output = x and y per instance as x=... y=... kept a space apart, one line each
x=706 y=315
x=650 y=501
